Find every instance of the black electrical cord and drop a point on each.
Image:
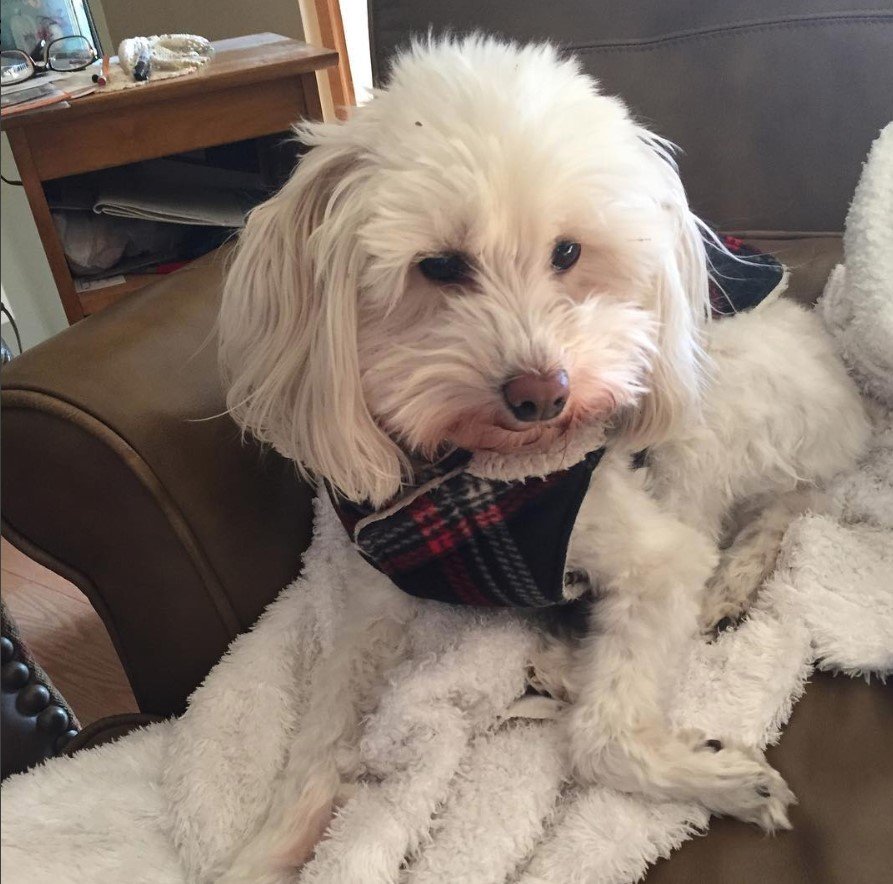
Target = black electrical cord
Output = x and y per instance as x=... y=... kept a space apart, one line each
x=15 y=327
x=13 y=183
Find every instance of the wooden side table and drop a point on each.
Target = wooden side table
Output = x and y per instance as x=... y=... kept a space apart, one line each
x=254 y=86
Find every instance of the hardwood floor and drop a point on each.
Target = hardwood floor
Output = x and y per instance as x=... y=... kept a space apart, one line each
x=66 y=637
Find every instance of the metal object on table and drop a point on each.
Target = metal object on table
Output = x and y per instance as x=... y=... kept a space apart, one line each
x=62 y=55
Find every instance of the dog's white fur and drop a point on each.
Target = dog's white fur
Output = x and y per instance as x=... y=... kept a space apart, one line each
x=340 y=354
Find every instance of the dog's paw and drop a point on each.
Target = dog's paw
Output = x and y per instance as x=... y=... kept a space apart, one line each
x=717 y=619
x=732 y=588
x=747 y=788
x=722 y=608
x=727 y=778
x=732 y=779
x=738 y=781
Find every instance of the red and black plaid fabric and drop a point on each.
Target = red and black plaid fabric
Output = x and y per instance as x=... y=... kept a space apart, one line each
x=736 y=286
x=456 y=538
x=472 y=541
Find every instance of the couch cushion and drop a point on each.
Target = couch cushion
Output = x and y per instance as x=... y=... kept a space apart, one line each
x=774 y=102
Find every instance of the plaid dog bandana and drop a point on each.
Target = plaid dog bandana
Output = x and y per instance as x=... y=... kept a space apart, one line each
x=461 y=539
x=457 y=538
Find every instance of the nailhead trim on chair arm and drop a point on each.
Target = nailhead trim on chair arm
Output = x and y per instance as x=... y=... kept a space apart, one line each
x=37 y=722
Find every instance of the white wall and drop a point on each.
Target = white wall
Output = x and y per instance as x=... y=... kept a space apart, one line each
x=26 y=278
x=214 y=19
x=102 y=26
x=355 y=15
x=6 y=328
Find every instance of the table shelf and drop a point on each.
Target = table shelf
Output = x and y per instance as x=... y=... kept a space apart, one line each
x=254 y=86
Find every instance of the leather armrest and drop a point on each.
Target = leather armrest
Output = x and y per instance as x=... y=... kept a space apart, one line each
x=121 y=474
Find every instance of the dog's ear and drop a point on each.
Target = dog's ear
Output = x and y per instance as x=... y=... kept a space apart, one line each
x=288 y=325
x=683 y=304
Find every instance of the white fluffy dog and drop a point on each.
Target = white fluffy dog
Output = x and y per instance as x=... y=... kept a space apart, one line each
x=493 y=256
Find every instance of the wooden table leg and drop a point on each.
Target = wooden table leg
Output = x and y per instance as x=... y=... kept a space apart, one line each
x=312 y=100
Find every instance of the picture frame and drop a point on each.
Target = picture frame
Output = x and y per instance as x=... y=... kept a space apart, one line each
x=29 y=25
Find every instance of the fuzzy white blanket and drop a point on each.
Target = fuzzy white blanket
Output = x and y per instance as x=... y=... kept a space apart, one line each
x=462 y=790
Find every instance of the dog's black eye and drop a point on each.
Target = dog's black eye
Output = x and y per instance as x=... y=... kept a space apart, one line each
x=449 y=267
x=565 y=255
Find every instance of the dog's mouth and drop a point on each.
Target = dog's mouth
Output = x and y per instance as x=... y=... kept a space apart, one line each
x=490 y=428
x=498 y=433
x=500 y=438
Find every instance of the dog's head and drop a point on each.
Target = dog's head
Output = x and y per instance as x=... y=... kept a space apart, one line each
x=489 y=255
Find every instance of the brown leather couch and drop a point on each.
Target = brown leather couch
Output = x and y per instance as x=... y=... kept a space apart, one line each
x=121 y=474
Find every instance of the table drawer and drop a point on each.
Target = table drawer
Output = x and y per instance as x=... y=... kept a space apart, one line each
x=160 y=128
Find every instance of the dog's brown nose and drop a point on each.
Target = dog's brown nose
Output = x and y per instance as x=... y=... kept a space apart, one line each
x=537 y=397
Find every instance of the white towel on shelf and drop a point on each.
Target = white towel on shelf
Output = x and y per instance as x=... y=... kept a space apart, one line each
x=173 y=205
x=181 y=193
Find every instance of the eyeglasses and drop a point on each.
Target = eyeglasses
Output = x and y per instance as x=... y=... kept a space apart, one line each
x=62 y=54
